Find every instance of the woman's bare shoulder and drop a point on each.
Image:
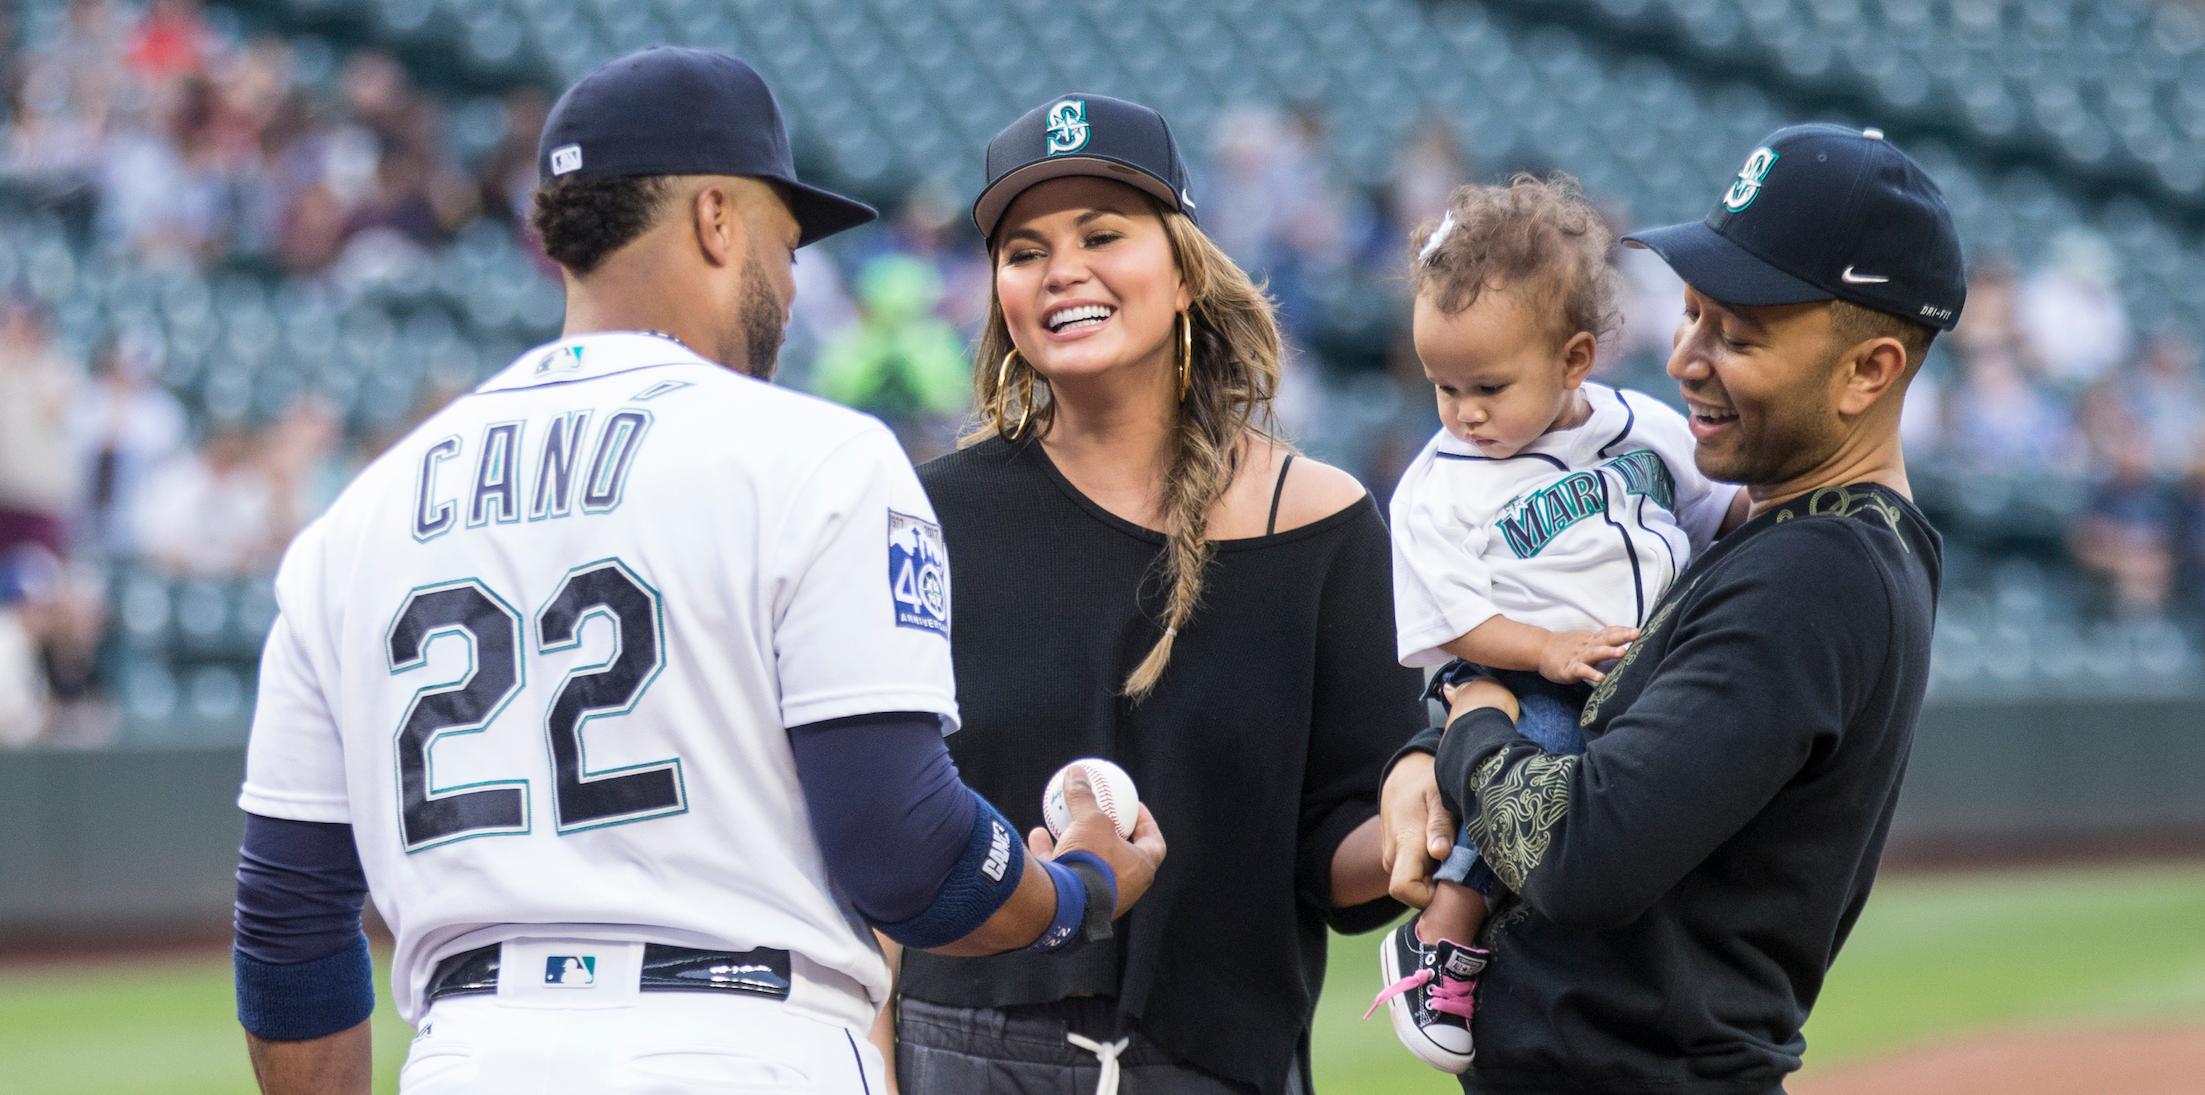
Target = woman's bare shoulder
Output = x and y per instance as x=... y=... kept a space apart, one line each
x=1313 y=490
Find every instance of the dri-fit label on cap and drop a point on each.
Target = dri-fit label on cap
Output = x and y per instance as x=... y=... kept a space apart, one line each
x=918 y=574
x=1750 y=177
x=1067 y=124
x=566 y=159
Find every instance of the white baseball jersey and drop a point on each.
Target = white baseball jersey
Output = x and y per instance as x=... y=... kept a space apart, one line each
x=543 y=653
x=1583 y=528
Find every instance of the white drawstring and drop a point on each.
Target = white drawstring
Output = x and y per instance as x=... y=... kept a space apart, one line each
x=1107 y=1053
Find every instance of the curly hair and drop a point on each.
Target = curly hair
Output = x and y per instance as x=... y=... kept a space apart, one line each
x=1233 y=379
x=1540 y=236
x=581 y=221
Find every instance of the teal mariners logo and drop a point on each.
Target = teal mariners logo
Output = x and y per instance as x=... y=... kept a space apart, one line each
x=1750 y=178
x=1067 y=126
x=1532 y=522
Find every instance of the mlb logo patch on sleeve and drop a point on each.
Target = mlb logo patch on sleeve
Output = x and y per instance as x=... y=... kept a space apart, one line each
x=918 y=574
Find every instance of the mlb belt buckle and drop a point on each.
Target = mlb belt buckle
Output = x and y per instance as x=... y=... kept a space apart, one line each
x=762 y=971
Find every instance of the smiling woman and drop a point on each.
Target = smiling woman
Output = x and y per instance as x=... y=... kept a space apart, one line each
x=1101 y=290
x=1114 y=293
x=1145 y=572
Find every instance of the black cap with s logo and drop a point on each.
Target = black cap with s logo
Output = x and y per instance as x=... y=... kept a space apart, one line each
x=676 y=111
x=1082 y=134
x=1819 y=212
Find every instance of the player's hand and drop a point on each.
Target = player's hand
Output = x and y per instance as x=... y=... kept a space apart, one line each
x=1572 y=656
x=1415 y=831
x=1133 y=861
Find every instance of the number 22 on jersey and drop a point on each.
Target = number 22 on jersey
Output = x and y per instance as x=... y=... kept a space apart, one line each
x=466 y=609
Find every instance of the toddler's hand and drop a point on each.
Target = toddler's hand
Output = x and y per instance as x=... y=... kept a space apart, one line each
x=1571 y=656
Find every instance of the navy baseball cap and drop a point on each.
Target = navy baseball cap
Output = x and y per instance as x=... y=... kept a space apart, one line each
x=1081 y=134
x=1820 y=212
x=669 y=110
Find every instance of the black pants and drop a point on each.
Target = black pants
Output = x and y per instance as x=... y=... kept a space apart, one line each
x=942 y=1050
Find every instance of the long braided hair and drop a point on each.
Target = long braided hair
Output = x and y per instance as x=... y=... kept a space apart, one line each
x=1232 y=379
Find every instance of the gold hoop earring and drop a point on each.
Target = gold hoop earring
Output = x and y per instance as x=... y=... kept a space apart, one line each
x=1002 y=396
x=1186 y=352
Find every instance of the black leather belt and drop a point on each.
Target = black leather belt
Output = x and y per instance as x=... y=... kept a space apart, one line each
x=760 y=972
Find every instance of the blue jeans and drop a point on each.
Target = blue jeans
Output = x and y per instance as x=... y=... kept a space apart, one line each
x=1548 y=716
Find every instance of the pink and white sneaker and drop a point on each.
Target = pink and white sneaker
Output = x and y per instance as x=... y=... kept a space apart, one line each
x=1430 y=993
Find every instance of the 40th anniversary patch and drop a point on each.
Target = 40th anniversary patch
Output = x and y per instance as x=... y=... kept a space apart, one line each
x=918 y=573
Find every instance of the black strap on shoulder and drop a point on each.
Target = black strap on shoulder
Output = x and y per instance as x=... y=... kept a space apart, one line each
x=1272 y=525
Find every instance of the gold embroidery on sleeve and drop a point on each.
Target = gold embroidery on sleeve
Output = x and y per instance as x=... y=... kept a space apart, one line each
x=1518 y=810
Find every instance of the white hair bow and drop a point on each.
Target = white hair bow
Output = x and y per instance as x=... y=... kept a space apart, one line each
x=1439 y=236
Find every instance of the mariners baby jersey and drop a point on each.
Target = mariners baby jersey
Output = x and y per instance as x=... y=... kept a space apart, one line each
x=1583 y=528
x=542 y=655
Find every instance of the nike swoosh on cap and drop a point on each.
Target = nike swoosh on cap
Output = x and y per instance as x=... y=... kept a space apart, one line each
x=1851 y=278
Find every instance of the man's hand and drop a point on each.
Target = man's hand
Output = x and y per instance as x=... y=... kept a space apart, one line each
x=1415 y=830
x=1571 y=656
x=1133 y=861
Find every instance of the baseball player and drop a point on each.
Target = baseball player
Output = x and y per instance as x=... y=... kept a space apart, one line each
x=621 y=682
x=1688 y=879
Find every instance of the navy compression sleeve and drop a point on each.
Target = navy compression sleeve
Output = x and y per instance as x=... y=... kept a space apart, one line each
x=300 y=959
x=299 y=890
x=892 y=817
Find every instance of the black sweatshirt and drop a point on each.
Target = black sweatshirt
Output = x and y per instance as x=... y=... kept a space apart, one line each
x=1686 y=883
x=1258 y=752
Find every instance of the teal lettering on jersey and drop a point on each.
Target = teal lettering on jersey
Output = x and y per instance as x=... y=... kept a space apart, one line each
x=1532 y=522
x=569 y=462
x=1644 y=472
x=497 y=476
x=555 y=477
x=616 y=449
x=1523 y=528
x=433 y=517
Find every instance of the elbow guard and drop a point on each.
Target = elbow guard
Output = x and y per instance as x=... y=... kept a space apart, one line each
x=978 y=883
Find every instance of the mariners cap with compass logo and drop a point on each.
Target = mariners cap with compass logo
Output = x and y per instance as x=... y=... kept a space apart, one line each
x=1819 y=212
x=1081 y=134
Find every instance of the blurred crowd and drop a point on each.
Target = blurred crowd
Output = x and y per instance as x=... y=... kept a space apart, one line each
x=174 y=139
x=102 y=469
x=186 y=146
x=169 y=142
x=2049 y=401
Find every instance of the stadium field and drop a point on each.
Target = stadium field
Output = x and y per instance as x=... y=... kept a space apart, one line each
x=1936 y=957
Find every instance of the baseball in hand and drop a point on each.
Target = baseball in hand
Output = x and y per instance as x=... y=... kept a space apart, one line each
x=1113 y=792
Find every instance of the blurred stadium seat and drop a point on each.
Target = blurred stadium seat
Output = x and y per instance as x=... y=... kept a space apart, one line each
x=2042 y=120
